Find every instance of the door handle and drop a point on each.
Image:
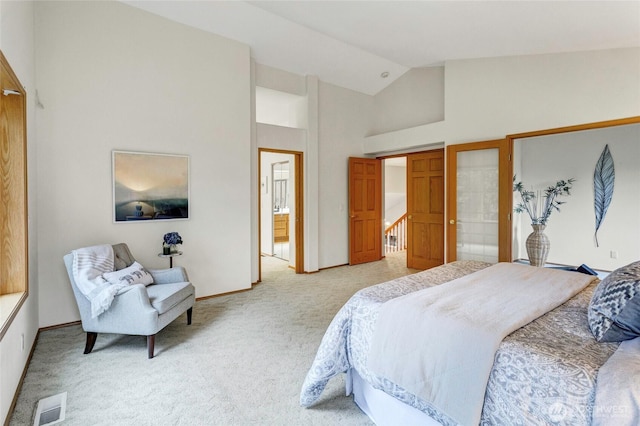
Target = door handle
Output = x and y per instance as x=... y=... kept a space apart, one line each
x=452 y=222
x=410 y=216
x=353 y=216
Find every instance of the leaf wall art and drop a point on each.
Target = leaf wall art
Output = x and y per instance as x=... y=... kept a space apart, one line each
x=604 y=178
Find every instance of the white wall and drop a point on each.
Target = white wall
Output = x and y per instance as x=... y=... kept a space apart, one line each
x=279 y=80
x=17 y=44
x=280 y=108
x=344 y=117
x=414 y=99
x=113 y=77
x=547 y=159
x=490 y=98
x=395 y=193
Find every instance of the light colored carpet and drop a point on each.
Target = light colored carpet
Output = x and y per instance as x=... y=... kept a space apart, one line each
x=241 y=362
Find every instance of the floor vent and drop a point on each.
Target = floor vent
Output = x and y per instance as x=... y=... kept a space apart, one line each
x=51 y=410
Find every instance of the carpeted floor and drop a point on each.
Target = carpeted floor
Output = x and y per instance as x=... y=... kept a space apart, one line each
x=241 y=362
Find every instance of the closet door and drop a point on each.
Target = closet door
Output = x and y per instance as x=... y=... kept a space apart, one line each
x=479 y=201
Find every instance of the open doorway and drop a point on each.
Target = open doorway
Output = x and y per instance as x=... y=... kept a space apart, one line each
x=414 y=207
x=395 y=204
x=280 y=201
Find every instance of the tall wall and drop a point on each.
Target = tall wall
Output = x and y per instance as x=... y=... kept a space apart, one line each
x=395 y=193
x=490 y=98
x=113 y=77
x=344 y=117
x=414 y=99
x=17 y=44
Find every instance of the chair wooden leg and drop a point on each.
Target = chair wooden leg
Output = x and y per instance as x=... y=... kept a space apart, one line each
x=91 y=340
x=151 y=341
x=189 y=312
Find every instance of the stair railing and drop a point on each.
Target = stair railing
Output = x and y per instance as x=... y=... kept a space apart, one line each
x=395 y=236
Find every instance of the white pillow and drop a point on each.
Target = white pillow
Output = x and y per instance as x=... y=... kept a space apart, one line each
x=134 y=274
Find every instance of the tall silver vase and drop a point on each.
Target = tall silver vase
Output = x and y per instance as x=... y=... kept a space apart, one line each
x=538 y=246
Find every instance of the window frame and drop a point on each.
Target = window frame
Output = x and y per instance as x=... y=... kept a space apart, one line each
x=14 y=258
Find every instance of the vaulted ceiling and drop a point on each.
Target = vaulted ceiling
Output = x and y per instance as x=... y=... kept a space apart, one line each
x=351 y=43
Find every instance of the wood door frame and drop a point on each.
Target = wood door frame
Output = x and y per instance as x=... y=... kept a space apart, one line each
x=505 y=198
x=299 y=207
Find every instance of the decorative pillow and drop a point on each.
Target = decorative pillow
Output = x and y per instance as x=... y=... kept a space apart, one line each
x=134 y=274
x=614 y=310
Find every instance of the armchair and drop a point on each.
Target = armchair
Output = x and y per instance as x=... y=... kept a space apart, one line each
x=139 y=310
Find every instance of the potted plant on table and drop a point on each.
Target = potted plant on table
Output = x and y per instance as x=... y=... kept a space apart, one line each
x=539 y=205
x=170 y=242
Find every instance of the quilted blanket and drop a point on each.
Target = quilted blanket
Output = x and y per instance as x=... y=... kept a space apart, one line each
x=543 y=373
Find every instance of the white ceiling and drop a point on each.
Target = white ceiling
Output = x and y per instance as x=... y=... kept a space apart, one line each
x=350 y=43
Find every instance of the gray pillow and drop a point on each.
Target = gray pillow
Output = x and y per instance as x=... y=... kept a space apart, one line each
x=614 y=310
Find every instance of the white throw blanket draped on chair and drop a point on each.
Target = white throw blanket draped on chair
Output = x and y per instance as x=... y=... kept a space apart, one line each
x=439 y=343
x=89 y=263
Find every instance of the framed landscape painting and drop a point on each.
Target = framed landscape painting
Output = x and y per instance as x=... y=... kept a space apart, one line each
x=150 y=187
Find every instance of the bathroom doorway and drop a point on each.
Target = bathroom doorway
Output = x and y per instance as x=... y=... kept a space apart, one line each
x=280 y=201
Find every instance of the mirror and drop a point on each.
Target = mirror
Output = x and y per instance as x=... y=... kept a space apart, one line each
x=540 y=161
x=280 y=202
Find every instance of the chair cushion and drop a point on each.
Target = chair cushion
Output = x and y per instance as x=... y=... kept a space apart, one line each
x=122 y=256
x=163 y=297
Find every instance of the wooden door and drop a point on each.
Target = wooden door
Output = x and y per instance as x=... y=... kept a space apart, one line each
x=479 y=190
x=425 y=209
x=365 y=210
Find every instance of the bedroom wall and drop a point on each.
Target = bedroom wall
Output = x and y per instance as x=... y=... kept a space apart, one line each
x=113 y=77
x=17 y=44
x=344 y=117
x=547 y=159
x=414 y=99
x=490 y=98
x=395 y=193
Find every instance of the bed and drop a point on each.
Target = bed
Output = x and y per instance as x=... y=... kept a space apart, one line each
x=543 y=373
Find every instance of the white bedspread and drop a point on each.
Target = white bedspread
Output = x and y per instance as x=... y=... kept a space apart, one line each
x=440 y=343
x=618 y=392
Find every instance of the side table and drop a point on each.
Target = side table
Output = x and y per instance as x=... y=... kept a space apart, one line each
x=170 y=256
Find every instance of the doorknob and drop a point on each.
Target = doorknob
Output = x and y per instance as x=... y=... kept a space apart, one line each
x=452 y=222
x=410 y=216
x=353 y=216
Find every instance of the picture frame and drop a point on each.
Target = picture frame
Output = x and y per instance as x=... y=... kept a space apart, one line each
x=149 y=187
